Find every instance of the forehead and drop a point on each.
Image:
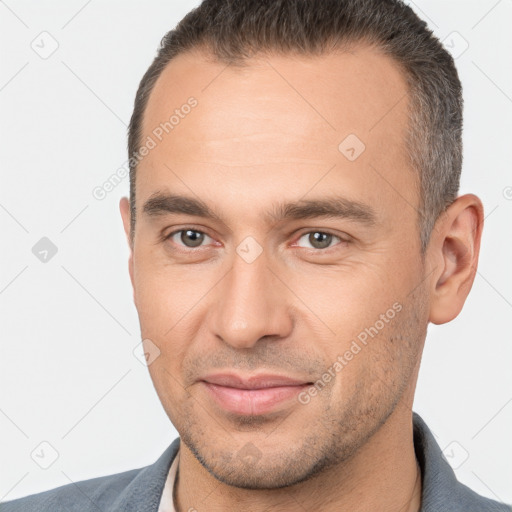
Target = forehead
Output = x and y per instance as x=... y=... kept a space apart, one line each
x=281 y=119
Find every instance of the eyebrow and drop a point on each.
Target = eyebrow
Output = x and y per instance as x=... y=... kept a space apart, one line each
x=330 y=207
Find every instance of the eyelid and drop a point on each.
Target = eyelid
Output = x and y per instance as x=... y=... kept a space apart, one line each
x=166 y=238
x=327 y=231
x=342 y=239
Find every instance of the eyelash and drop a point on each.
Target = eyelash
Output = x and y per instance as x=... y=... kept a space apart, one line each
x=342 y=241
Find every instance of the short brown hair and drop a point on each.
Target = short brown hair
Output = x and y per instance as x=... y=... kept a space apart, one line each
x=235 y=30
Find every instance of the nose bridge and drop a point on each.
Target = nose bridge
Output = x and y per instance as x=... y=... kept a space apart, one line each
x=250 y=304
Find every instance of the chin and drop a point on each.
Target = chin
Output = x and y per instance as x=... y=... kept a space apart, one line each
x=248 y=470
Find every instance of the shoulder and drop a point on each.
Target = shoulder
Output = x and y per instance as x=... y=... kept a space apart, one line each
x=470 y=500
x=441 y=491
x=94 y=494
x=130 y=490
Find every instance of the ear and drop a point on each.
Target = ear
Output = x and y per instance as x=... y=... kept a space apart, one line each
x=124 y=208
x=454 y=250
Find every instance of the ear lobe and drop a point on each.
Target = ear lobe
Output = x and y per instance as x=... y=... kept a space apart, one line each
x=457 y=246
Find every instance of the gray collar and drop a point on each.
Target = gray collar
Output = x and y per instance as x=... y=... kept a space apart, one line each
x=441 y=491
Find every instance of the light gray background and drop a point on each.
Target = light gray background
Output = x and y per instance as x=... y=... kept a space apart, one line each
x=69 y=327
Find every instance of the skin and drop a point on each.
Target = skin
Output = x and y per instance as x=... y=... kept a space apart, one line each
x=262 y=135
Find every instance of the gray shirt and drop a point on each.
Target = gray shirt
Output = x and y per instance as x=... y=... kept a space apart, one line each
x=140 y=490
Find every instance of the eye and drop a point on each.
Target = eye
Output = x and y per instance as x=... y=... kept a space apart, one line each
x=320 y=240
x=190 y=238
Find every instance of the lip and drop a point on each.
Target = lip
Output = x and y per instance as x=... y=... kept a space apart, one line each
x=252 y=395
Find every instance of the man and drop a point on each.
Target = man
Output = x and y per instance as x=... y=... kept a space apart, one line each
x=294 y=226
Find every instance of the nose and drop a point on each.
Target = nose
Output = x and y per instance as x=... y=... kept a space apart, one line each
x=251 y=304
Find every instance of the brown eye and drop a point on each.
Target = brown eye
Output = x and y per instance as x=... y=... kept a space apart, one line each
x=190 y=238
x=319 y=239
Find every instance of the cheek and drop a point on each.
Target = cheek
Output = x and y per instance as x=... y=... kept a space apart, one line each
x=359 y=323
x=350 y=298
x=165 y=294
x=375 y=364
x=164 y=302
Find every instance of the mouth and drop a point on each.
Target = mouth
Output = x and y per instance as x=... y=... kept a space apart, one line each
x=253 y=395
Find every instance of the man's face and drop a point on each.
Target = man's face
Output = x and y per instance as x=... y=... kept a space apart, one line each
x=333 y=299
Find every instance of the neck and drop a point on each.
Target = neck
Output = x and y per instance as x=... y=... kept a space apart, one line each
x=383 y=475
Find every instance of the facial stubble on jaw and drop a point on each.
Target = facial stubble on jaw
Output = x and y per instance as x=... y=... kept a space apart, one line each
x=344 y=429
